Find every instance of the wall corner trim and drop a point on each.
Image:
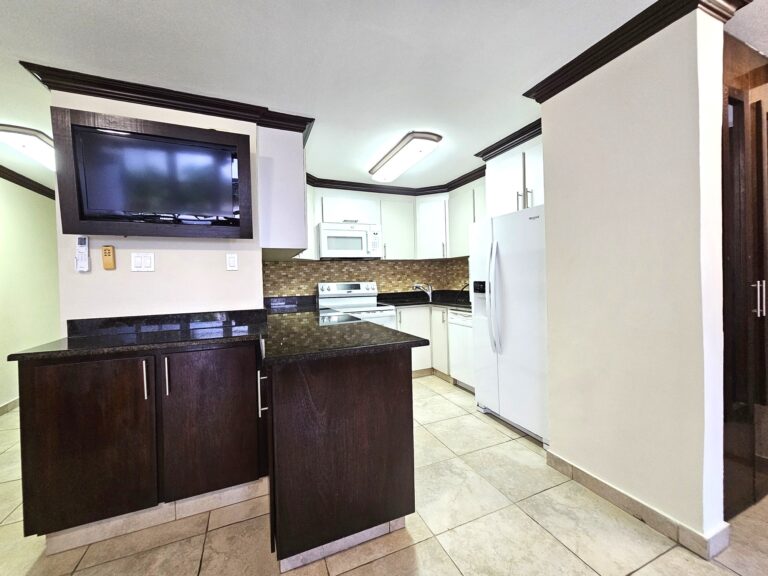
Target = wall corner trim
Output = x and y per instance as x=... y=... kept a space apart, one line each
x=653 y=19
x=470 y=176
x=518 y=137
x=91 y=85
x=28 y=183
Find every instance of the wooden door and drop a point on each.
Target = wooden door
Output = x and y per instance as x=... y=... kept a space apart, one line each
x=745 y=264
x=88 y=441
x=209 y=420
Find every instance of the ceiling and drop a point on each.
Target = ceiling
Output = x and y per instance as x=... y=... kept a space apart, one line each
x=368 y=71
x=750 y=24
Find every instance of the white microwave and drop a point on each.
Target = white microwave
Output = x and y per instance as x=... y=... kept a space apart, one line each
x=340 y=240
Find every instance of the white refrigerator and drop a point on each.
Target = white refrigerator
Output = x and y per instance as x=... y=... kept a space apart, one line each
x=509 y=318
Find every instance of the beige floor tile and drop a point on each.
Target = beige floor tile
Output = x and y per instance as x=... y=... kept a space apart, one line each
x=146 y=539
x=462 y=399
x=109 y=528
x=759 y=511
x=10 y=497
x=180 y=558
x=608 y=539
x=450 y=493
x=434 y=409
x=680 y=562
x=466 y=434
x=10 y=464
x=243 y=548
x=748 y=553
x=238 y=512
x=10 y=420
x=20 y=555
x=502 y=427
x=424 y=559
x=436 y=384
x=428 y=449
x=509 y=542
x=8 y=438
x=220 y=498
x=421 y=391
x=516 y=471
x=415 y=531
x=15 y=516
x=533 y=445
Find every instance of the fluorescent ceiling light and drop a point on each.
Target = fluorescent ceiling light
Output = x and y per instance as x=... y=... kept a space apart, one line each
x=412 y=148
x=33 y=143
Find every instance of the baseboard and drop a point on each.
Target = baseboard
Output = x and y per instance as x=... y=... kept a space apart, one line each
x=423 y=372
x=706 y=547
x=442 y=375
x=8 y=406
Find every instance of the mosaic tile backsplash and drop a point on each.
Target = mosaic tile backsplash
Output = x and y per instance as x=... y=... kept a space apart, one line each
x=300 y=277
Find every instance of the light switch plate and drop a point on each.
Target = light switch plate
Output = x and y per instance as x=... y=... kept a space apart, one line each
x=232 y=263
x=142 y=262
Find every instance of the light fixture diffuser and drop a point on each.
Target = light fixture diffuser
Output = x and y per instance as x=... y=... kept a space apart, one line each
x=33 y=143
x=413 y=147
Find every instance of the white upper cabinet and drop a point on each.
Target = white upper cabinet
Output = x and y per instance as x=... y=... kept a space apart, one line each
x=432 y=226
x=398 y=227
x=466 y=205
x=350 y=207
x=282 y=209
x=504 y=178
x=311 y=252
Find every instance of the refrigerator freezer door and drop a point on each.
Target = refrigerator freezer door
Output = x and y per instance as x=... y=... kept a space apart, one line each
x=484 y=363
x=520 y=309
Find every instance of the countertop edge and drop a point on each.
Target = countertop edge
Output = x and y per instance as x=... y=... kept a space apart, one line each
x=335 y=353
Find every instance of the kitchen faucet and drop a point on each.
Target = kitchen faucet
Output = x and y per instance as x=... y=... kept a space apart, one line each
x=426 y=288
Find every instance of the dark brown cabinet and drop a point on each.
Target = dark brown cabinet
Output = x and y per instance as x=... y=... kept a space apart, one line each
x=342 y=444
x=209 y=419
x=88 y=441
x=108 y=436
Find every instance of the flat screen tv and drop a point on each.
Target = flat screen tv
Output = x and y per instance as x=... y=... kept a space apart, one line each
x=135 y=177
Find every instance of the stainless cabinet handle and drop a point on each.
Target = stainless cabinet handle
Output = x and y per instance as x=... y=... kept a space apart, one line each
x=144 y=370
x=763 y=299
x=167 y=393
x=260 y=378
x=443 y=316
x=385 y=250
x=760 y=310
x=400 y=316
x=757 y=310
x=519 y=195
x=443 y=249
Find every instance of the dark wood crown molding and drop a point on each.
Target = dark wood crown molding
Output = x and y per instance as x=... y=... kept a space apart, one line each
x=521 y=136
x=90 y=85
x=656 y=17
x=471 y=176
x=24 y=182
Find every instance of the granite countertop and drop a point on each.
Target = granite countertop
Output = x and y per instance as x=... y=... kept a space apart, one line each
x=287 y=337
x=449 y=298
x=300 y=336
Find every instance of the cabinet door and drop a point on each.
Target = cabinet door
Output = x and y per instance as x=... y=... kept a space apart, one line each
x=534 y=172
x=210 y=420
x=439 y=341
x=461 y=214
x=431 y=227
x=88 y=443
x=398 y=228
x=351 y=207
x=416 y=320
x=282 y=190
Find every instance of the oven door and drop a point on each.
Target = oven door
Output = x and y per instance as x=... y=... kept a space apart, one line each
x=335 y=243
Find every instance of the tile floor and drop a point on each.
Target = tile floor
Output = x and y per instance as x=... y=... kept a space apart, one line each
x=486 y=504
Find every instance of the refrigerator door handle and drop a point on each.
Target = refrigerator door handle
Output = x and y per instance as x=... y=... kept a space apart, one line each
x=489 y=298
x=492 y=298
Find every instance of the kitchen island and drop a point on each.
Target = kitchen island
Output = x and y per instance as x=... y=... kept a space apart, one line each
x=127 y=413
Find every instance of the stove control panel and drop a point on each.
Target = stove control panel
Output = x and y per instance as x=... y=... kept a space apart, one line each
x=331 y=289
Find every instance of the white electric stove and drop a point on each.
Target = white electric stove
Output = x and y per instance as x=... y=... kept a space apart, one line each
x=341 y=302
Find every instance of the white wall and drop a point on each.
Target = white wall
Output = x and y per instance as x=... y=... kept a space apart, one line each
x=190 y=274
x=632 y=172
x=29 y=300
